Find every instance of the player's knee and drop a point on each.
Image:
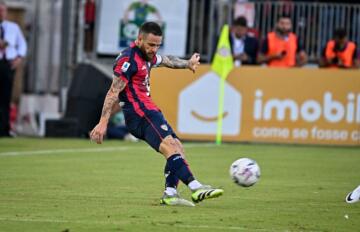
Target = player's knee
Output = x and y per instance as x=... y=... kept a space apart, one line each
x=180 y=147
x=169 y=147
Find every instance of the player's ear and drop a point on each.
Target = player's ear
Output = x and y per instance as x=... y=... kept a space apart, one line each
x=140 y=38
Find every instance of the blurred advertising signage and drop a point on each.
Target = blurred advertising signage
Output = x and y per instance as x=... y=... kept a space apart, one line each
x=119 y=23
x=307 y=106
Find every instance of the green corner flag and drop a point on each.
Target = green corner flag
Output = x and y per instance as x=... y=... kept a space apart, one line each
x=222 y=65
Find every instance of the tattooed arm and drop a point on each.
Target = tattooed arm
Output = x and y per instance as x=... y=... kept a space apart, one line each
x=175 y=62
x=112 y=97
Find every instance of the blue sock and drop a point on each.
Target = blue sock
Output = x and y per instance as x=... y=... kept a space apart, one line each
x=178 y=166
x=170 y=179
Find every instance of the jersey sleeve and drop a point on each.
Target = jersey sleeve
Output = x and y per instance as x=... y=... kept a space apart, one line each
x=124 y=68
x=156 y=60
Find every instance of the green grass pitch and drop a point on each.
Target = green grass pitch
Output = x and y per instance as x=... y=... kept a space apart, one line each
x=69 y=185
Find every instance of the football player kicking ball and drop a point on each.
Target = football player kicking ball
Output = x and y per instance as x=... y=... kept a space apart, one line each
x=353 y=196
x=144 y=119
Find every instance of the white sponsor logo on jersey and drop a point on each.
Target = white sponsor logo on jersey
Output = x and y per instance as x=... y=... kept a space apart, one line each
x=125 y=66
x=164 y=127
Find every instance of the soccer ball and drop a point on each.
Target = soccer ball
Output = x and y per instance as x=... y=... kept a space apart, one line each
x=245 y=172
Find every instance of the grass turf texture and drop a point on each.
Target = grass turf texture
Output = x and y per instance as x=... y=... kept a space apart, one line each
x=75 y=185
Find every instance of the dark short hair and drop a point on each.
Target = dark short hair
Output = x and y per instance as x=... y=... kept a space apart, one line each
x=150 y=28
x=240 y=21
x=283 y=16
x=339 y=33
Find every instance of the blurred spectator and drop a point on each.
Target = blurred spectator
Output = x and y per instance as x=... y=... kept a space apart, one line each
x=245 y=9
x=244 y=47
x=281 y=48
x=340 y=52
x=90 y=10
x=12 y=50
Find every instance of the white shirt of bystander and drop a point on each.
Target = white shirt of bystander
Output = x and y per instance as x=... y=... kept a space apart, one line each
x=15 y=41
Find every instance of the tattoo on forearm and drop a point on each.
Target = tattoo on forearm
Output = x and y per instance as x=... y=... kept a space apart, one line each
x=112 y=96
x=174 y=62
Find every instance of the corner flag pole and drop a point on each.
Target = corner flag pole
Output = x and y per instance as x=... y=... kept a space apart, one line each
x=222 y=65
x=220 y=111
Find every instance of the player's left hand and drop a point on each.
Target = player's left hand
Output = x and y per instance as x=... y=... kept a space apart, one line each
x=194 y=61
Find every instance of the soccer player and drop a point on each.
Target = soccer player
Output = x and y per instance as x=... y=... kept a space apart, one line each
x=353 y=196
x=144 y=119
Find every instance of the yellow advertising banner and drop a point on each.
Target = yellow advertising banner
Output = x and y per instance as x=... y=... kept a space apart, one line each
x=305 y=106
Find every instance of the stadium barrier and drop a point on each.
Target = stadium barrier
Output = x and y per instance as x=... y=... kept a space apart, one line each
x=300 y=106
x=314 y=22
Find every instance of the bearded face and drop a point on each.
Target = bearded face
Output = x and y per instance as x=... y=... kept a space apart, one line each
x=149 y=44
x=284 y=26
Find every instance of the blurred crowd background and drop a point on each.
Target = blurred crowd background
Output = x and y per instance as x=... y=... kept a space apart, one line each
x=63 y=37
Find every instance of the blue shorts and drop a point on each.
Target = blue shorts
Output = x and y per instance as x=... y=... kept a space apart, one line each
x=152 y=128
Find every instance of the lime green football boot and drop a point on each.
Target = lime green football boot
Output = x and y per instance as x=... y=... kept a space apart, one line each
x=206 y=192
x=175 y=200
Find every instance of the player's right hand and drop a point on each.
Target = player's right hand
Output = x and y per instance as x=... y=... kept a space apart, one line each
x=194 y=62
x=97 y=134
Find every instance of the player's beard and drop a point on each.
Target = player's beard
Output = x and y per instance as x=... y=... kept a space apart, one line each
x=283 y=32
x=149 y=56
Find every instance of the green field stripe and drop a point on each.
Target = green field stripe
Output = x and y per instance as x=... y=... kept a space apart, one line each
x=75 y=150
x=86 y=150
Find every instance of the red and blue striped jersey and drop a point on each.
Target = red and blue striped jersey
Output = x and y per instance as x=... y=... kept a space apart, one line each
x=133 y=68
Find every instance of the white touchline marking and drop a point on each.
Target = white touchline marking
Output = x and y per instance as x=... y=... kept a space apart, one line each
x=124 y=223
x=216 y=227
x=228 y=228
x=82 y=150
x=119 y=223
x=60 y=221
x=54 y=151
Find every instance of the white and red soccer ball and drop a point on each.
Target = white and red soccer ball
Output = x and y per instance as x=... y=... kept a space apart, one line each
x=245 y=172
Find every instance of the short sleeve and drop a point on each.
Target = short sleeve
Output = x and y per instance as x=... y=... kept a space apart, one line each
x=156 y=60
x=123 y=68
